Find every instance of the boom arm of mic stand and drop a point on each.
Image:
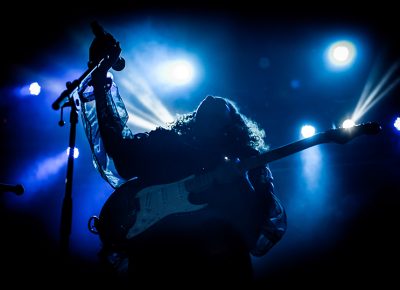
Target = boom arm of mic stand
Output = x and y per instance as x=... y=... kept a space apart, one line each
x=73 y=87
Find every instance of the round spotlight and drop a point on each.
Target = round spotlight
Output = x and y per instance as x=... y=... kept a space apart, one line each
x=76 y=152
x=397 y=124
x=307 y=131
x=34 y=89
x=176 y=72
x=341 y=54
x=348 y=123
x=181 y=72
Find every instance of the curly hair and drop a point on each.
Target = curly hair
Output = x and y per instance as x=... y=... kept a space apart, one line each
x=241 y=132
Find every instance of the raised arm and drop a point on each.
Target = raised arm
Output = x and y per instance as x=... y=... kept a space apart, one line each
x=105 y=119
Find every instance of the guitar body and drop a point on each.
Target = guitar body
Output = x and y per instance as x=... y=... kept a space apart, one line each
x=130 y=210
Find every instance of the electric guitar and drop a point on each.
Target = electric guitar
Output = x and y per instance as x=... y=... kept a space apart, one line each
x=131 y=209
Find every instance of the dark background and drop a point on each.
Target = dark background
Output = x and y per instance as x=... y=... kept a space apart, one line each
x=350 y=237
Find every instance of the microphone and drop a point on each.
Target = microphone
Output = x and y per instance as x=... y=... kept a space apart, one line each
x=18 y=189
x=104 y=36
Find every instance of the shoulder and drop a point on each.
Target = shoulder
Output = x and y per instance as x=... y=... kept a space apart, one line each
x=160 y=135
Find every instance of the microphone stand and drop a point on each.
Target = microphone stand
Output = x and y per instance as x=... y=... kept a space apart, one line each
x=70 y=98
x=66 y=213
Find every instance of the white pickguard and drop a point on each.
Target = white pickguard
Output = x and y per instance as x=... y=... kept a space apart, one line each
x=159 y=201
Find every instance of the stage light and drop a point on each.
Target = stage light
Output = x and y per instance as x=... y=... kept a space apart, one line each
x=76 y=152
x=176 y=72
x=34 y=89
x=341 y=54
x=307 y=131
x=397 y=123
x=348 y=123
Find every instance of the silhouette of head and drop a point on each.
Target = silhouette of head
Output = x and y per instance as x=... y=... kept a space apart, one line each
x=212 y=115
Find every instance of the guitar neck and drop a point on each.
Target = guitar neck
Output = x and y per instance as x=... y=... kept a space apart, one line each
x=341 y=136
x=203 y=181
x=283 y=151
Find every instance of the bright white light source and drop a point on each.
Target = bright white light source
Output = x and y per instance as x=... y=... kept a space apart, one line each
x=348 y=123
x=307 y=131
x=397 y=123
x=341 y=54
x=34 y=89
x=76 y=152
x=176 y=72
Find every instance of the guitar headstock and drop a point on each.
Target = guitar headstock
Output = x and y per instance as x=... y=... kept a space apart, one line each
x=344 y=135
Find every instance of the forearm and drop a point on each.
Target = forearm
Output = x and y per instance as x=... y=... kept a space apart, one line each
x=111 y=124
x=273 y=224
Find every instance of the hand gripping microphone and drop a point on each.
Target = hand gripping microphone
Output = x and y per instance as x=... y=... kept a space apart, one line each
x=106 y=38
x=103 y=47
